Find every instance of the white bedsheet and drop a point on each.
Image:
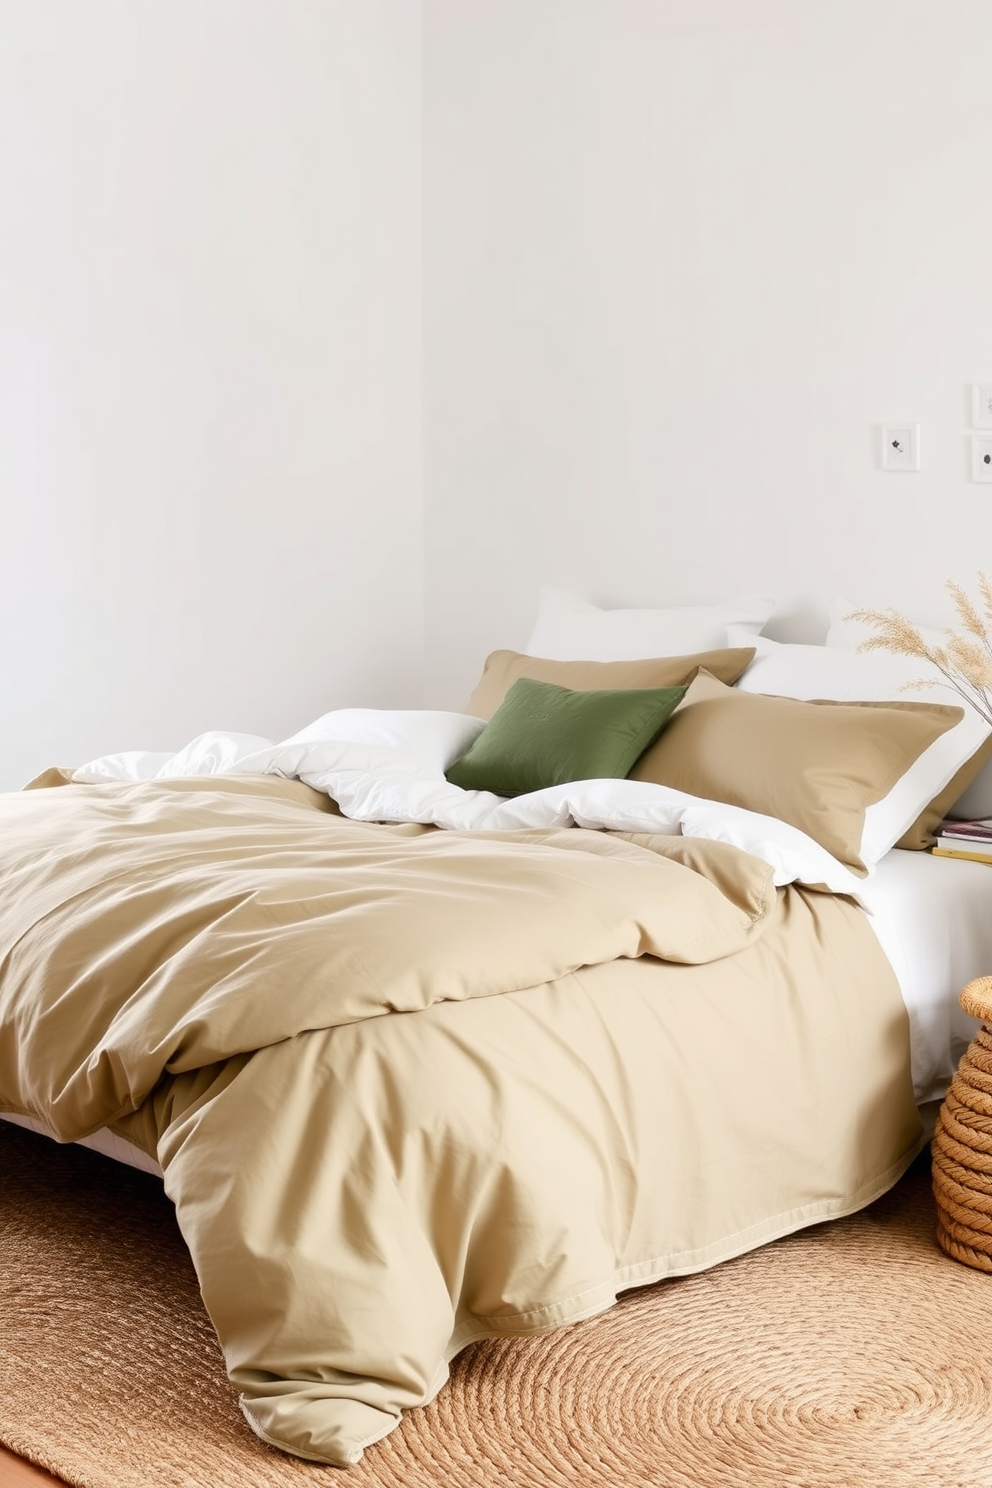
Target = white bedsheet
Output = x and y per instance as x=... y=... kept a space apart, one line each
x=933 y=918
x=107 y=1142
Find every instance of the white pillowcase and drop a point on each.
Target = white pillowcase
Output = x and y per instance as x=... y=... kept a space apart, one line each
x=572 y=629
x=432 y=737
x=804 y=671
x=848 y=635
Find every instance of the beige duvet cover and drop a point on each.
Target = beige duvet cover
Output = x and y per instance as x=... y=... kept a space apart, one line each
x=410 y=1088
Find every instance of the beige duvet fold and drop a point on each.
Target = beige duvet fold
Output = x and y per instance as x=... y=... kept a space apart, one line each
x=156 y=928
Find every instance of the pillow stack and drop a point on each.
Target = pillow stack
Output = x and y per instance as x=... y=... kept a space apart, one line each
x=557 y=716
x=821 y=737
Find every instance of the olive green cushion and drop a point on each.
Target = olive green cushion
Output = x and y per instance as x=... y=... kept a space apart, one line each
x=543 y=734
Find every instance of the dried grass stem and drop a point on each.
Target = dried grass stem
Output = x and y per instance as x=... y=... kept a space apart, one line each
x=964 y=660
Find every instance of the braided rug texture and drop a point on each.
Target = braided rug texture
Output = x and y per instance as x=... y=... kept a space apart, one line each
x=852 y=1355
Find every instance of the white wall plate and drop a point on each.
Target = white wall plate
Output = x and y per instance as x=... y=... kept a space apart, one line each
x=981 y=405
x=900 y=446
x=981 y=458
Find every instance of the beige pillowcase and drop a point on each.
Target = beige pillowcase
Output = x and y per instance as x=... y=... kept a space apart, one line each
x=816 y=765
x=503 y=668
x=921 y=834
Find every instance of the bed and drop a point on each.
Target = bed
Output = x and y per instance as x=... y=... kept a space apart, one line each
x=422 y=1062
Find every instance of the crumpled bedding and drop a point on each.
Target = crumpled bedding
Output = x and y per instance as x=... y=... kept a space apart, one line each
x=411 y=1088
x=386 y=765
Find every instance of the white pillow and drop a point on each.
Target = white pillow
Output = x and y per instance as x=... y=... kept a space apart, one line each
x=804 y=671
x=848 y=634
x=433 y=737
x=572 y=629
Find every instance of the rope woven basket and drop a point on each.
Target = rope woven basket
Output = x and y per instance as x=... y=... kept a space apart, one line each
x=962 y=1144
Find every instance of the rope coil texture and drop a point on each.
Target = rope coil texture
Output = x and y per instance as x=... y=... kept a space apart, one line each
x=962 y=1144
x=853 y=1354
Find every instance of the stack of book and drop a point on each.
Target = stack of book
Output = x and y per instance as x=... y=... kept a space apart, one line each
x=965 y=839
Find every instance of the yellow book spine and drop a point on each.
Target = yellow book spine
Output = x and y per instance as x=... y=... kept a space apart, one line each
x=957 y=852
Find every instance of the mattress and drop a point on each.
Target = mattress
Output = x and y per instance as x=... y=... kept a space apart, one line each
x=931 y=917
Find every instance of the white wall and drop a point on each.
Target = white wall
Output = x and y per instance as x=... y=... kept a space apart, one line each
x=210 y=369
x=681 y=259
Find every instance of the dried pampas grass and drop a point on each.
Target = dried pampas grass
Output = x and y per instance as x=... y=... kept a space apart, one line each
x=964 y=659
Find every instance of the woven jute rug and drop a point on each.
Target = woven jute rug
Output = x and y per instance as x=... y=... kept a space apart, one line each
x=852 y=1355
